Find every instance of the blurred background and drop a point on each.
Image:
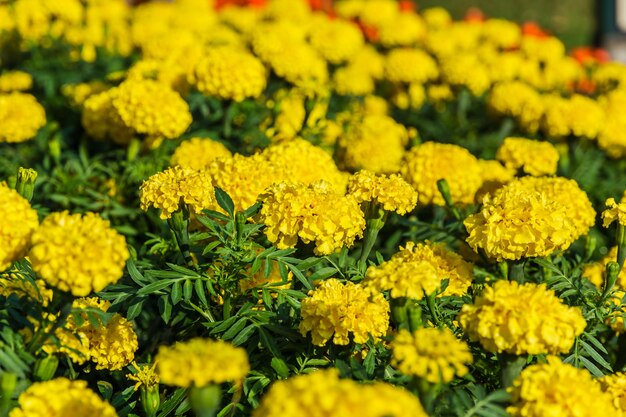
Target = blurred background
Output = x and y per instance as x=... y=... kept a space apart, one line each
x=574 y=21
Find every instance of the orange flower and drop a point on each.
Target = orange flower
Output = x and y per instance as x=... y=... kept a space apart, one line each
x=532 y=29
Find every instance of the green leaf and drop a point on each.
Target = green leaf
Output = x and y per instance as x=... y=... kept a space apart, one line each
x=172 y=402
x=176 y=293
x=134 y=273
x=165 y=309
x=224 y=325
x=199 y=287
x=591 y=367
x=235 y=329
x=596 y=356
x=225 y=202
x=300 y=277
x=244 y=335
x=155 y=287
x=106 y=389
x=135 y=309
x=281 y=368
x=187 y=289
x=323 y=274
x=252 y=210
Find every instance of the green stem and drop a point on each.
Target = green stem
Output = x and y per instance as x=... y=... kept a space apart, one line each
x=179 y=225
x=510 y=368
x=375 y=220
x=205 y=400
x=516 y=271
x=621 y=245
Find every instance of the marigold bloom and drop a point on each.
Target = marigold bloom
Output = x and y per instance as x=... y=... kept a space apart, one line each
x=615 y=386
x=614 y=213
x=21 y=117
x=353 y=80
x=151 y=108
x=466 y=70
x=15 y=81
x=230 y=73
x=17 y=224
x=435 y=355
x=518 y=100
x=418 y=269
x=145 y=376
x=374 y=142
x=529 y=217
x=405 y=30
x=429 y=162
x=323 y=394
x=16 y=283
x=556 y=388
x=521 y=319
x=61 y=397
x=198 y=153
x=199 y=362
x=78 y=253
x=336 y=40
x=338 y=311
x=316 y=213
x=410 y=65
x=393 y=193
x=494 y=176
x=101 y=120
x=533 y=157
x=165 y=191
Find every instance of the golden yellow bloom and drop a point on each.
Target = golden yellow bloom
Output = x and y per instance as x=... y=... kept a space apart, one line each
x=392 y=193
x=375 y=142
x=16 y=283
x=17 y=224
x=435 y=355
x=519 y=101
x=165 y=190
x=406 y=29
x=439 y=93
x=233 y=175
x=436 y=17
x=145 y=376
x=338 y=311
x=151 y=108
x=101 y=120
x=533 y=157
x=336 y=40
x=558 y=389
x=521 y=319
x=61 y=397
x=494 y=176
x=614 y=212
x=586 y=117
x=466 y=70
x=501 y=33
x=301 y=161
x=323 y=394
x=314 y=214
x=15 y=81
x=199 y=362
x=417 y=270
x=410 y=65
x=230 y=73
x=21 y=117
x=370 y=61
x=429 y=162
x=522 y=220
x=353 y=80
x=615 y=386
x=79 y=93
x=198 y=153
x=78 y=253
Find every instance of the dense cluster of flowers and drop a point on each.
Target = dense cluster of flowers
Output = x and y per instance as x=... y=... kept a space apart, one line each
x=338 y=311
x=19 y=221
x=521 y=319
x=391 y=193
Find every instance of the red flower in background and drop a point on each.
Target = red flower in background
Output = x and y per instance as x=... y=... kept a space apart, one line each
x=534 y=30
x=589 y=56
x=474 y=15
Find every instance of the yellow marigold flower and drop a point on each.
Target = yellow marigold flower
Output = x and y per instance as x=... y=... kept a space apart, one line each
x=439 y=93
x=594 y=272
x=198 y=153
x=361 y=146
x=393 y=193
x=501 y=33
x=521 y=319
x=79 y=93
x=315 y=213
x=418 y=269
x=429 y=162
x=21 y=117
x=436 y=17
x=336 y=40
x=494 y=176
x=614 y=212
x=558 y=389
x=305 y=163
x=233 y=176
x=199 y=362
x=16 y=283
x=586 y=116
x=533 y=157
x=17 y=224
x=543 y=49
x=338 y=311
x=353 y=80
x=518 y=221
x=111 y=347
x=101 y=120
x=145 y=376
x=169 y=73
x=151 y=108
x=230 y=73
x=165 y=190
x=612 y=137
x=323 y=394
x=410 y=65
x=78 y=253
x=370 y=61
x=406 y=29
x=465 y=70
x=519 y=101
x=615 y=386
x=15 y=81
x=556 y=117
x=435 y=355
x=61 y=397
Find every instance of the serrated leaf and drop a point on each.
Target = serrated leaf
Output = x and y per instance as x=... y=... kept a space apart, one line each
x=225 y=202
